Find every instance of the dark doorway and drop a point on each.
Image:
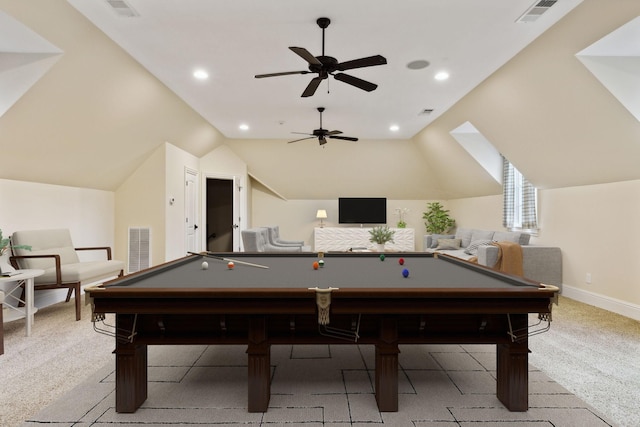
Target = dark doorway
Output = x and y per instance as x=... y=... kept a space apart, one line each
x=220 y=215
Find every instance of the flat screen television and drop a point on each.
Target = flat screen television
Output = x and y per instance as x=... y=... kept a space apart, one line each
x=362 y=210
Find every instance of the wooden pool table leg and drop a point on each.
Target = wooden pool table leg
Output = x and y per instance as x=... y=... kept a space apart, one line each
x=513 y=369
x=259 y=365
x=131 y=376
x=387 y=366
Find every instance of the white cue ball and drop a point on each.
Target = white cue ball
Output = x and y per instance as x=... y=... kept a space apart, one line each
x=205 y=265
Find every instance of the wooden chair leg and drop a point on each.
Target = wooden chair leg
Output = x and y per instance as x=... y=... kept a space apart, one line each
x=78 y=301
x=69 y=293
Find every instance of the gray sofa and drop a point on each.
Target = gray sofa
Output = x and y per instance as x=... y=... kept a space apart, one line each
x=540 y=263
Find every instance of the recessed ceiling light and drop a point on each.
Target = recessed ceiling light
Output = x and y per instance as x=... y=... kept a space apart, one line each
x=442 y=75
x=243 y=126
x=394 y=128
x=200 y=74
x=418 y=64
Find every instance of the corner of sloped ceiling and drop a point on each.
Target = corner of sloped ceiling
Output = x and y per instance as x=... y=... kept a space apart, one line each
x=459 y=175
x=257 y=184
x=24 y=58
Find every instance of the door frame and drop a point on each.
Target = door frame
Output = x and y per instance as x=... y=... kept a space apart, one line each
x=198 y=238
x=239 y=206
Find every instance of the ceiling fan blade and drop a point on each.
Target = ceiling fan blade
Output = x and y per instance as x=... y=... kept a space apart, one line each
x=286 y=73
x=302 y=139
x=311 y=88
x=346 y=138
x=354 y=81
x=303 y=133
x=369 y=61
x=306 y=55
x=334 y=132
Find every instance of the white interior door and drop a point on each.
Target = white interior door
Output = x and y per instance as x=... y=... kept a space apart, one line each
x=191 y=211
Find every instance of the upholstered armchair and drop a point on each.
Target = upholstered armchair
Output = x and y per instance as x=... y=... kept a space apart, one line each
x=257 y=240
x=275 y=240
x=53 y=252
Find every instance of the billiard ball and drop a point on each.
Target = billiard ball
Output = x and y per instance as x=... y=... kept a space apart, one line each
x=230 y=265
x=321 y=263
x=315 y=265
x=381 y=257
x=205 y=265
x=401 y=261
x=405 y=273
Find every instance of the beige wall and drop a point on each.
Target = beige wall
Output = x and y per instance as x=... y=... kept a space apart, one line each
x=598 y=230
x=140 y=202
x=297 y=218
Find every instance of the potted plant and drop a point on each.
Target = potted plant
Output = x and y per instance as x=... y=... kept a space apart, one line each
x=437 y=219
x=381 y=235
x=5 y=244
x=401 y=212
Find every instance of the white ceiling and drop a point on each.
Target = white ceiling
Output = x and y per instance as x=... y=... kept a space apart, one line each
x=235 y=40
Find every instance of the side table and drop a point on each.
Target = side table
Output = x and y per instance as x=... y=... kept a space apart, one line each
x=22 y=278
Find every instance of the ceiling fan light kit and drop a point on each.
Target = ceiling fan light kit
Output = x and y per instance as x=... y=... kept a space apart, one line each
x=325 y=66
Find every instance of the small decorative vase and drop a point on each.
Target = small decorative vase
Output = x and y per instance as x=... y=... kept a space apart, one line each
x=380 y=247
x=4 y=263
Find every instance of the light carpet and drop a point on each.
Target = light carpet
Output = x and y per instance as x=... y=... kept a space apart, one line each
x=312 y=385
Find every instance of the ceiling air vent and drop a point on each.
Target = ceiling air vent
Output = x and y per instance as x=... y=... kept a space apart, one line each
x=122 y=8
x=535 y=11
x=426 y=111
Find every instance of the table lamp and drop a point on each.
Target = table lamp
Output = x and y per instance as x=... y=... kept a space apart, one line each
x=321 y=214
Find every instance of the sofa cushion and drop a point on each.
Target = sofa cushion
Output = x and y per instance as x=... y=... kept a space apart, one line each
x=83 y=272
x=472 y=249
x=448 y=244
x=464 y=234
x=481 y=235
x=68 y=255
x=435 y=237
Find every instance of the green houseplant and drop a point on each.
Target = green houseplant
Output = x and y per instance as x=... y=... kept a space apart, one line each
x=381 y=235
x=437 y=219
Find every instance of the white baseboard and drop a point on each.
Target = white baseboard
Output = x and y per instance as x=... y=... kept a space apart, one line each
x=607 y=303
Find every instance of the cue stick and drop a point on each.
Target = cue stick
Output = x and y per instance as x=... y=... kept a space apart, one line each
x=210 y=255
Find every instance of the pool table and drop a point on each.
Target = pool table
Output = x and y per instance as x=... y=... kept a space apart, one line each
x=349 y=298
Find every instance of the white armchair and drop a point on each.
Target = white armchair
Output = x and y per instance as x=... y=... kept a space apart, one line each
x=257 y=240
x=275 y=240
x=53 y=252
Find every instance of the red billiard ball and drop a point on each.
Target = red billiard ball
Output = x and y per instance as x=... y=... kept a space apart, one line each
x=401 y=261
x=230 y=265
x=315 y=265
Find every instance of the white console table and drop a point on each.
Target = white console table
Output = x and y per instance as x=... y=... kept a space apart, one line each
x=327 y=239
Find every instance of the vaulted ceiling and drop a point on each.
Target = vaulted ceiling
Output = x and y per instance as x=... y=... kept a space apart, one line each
x=113 y=88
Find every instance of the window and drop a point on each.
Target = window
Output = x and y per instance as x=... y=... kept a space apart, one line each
x=520 y=199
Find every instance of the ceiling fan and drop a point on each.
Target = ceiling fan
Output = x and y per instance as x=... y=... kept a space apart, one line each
x=323 y=134
x=328 y=65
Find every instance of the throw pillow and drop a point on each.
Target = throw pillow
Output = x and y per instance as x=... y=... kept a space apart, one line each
x=472 y=249
x=435 y=237
x=448 y=244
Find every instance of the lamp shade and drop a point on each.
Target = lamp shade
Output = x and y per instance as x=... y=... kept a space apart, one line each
x=321 y=214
